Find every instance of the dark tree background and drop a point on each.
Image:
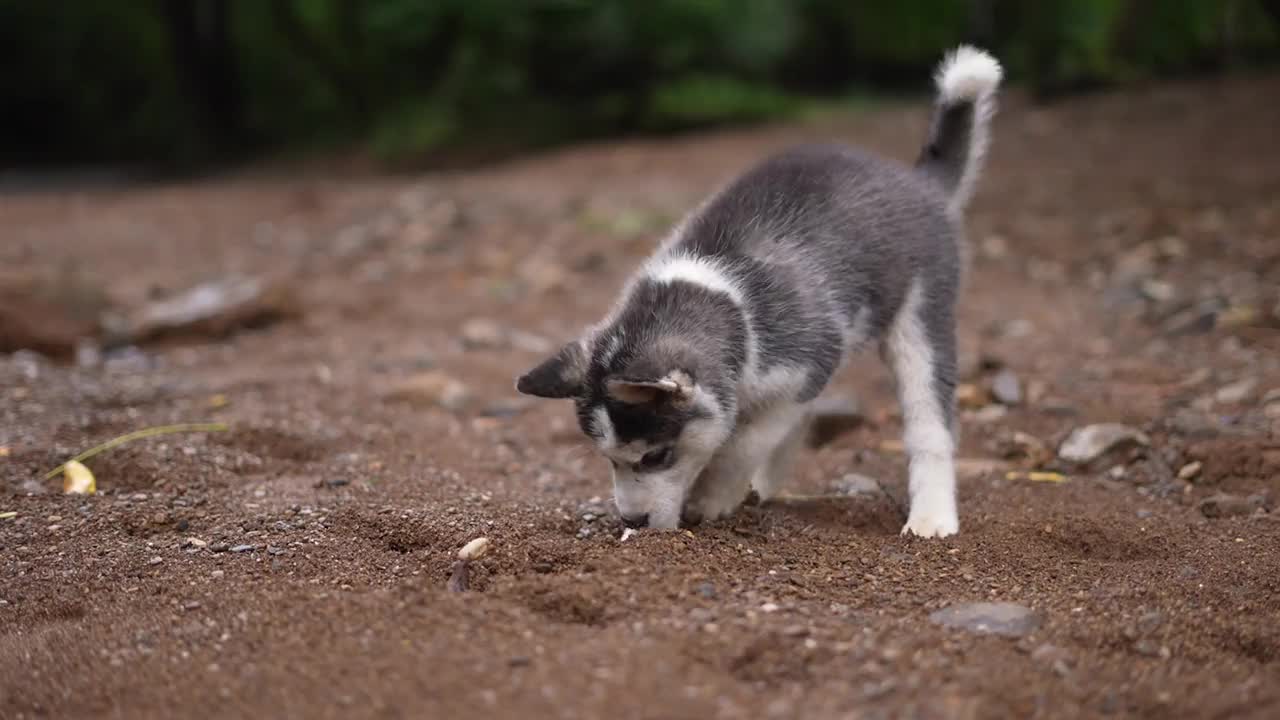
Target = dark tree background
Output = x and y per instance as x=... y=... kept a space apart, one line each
x=191 y=81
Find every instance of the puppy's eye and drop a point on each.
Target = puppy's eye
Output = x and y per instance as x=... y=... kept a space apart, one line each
x=655 y=460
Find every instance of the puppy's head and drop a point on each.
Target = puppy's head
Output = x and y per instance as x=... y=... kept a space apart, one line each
x=649 y=409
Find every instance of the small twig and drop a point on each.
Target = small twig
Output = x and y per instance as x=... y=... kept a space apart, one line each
x=460 y=580
x=138 y=435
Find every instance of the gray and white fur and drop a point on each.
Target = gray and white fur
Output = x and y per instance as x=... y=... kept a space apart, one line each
x=697 y=385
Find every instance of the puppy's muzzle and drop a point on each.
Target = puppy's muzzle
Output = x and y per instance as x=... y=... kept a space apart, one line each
x=636 y=522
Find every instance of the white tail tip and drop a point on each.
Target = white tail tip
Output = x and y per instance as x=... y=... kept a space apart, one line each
x=967 y=74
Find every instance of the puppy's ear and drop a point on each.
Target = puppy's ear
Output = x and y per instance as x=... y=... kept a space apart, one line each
x=560 y=376
x=633 y=389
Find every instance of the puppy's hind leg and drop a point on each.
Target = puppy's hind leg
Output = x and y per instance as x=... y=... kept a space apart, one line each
x=921 y=350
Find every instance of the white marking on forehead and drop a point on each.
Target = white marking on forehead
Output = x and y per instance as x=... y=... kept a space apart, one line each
x=604 y=426
x=702 y=271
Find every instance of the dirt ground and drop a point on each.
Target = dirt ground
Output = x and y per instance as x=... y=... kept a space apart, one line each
x=1126 y=268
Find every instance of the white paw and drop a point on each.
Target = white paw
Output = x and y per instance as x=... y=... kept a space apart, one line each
x=713 y=508
x=764 y=488
x=932 y=522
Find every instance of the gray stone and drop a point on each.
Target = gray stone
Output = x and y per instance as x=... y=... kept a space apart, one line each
x=1193 y=423
x=242 y=548
x=1006 y=388
x=1086 y=444
x=431 y=388
x=1158 y=291
x=1224 y=505
x=999 y=618
x=855 y=484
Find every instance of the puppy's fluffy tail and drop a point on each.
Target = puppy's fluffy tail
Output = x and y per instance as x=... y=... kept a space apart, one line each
x=967 y=80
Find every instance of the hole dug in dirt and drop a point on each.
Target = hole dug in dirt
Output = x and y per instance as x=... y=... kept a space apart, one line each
x=392 y=533
x=1087 y=539
x=275 y=444
x=574 y=605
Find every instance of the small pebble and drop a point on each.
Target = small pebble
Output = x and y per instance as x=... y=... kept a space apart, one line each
x=1224 y=505
x=482 y=333
x=1190 y=471
x=1006 y=388
x=155 y=560
x=1086 y=444
x=432 y=388
x=1236 y=392
x=990 y=414
x=854 y=484
x=243 y=548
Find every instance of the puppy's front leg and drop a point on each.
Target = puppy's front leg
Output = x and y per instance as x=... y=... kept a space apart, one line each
x=721 y=487
x=754 y=458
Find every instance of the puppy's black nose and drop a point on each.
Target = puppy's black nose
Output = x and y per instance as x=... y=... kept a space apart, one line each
x=635 y=522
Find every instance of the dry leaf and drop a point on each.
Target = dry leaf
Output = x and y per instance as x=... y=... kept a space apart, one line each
x=1049 y=477
x=77 y=480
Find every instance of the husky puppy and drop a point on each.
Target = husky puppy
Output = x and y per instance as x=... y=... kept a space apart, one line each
x=697 y=384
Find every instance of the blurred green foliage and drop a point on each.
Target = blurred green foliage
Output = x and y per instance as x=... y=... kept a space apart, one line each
x=187 y=81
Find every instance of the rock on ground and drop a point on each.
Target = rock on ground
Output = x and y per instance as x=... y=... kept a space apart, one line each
x=997 y=618
x=1086 y=444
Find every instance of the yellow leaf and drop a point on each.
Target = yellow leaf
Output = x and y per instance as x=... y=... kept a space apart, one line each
x=1049 y=477
x=76 y=479
x=218 y=401
x=7 y=515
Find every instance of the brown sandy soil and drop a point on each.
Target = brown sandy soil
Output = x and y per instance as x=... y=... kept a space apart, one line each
x=1126 y=266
